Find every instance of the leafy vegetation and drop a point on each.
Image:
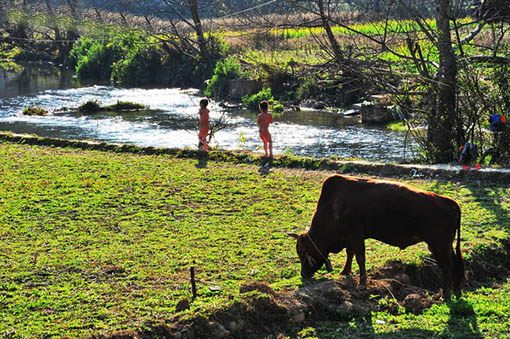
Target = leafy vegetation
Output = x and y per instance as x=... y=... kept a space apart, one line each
x=95 y=242
x=35 y=110
x=252 y=101
x=224 y=70
x=93 y=106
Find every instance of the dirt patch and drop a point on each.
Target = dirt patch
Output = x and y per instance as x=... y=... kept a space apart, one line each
x=261 y=311
x=394 y=288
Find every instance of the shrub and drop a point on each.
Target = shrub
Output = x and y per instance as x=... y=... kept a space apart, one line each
x=94 y=59
x=35 y=111
x=308 y=88
x=96 y=64
x=252 y=101
x=126 y=106
x=135 y=59
x=91 y=106
x=224 y=70
x=141 y=66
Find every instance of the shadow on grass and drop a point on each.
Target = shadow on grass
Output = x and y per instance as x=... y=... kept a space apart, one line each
x=461 y=323
x=340 y=308
x=265 y=167
x=203 y=159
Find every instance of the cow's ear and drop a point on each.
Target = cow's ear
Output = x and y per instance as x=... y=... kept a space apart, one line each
x=293 y=235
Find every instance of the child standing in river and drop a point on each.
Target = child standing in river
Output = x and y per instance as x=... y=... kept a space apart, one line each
x=263 y=120
x=204 y=125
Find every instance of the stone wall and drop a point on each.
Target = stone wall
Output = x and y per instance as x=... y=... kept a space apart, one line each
x=238 y=88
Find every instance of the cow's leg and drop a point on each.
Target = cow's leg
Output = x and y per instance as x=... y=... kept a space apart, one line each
x=360 y=259
x=457 y=280
x=348 y=263
x=444 y=260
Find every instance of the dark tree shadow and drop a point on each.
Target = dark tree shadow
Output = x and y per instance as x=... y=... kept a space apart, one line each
x=203 y=159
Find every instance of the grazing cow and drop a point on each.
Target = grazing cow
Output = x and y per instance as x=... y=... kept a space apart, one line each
x=352 y=209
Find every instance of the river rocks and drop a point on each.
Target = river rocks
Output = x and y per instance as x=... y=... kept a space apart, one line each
x=416 y=303
x=377 y=109
x=312 y=104
x=374 y=113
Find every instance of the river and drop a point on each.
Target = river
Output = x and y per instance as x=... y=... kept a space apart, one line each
x=172 y=122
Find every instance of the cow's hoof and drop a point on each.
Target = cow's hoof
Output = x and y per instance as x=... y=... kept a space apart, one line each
x=363 y=285
x=345 y=273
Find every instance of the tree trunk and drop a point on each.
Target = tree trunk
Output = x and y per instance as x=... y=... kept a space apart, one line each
x=350 y=89
x=329 y=32
x=3 y=15
x=442 y=132
x=202 y=43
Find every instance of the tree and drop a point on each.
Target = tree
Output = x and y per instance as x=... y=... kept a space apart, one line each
x=443 y=135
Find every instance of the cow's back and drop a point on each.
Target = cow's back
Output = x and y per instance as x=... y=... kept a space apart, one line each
x=391 y=212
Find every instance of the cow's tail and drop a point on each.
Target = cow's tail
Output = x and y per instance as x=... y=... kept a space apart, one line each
x=458 y=262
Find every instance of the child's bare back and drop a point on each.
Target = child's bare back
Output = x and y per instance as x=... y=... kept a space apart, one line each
x=263 y=120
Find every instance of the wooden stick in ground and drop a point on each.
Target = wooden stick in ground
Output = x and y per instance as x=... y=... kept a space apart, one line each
x=193 y=282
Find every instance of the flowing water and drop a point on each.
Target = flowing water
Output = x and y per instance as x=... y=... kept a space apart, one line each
x=172 y=120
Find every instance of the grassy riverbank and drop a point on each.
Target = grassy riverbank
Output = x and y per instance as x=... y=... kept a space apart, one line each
x=96 y=242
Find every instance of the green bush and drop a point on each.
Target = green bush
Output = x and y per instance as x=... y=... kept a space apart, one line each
x=126 y=106
x=252 y=101
x=141 y=66
x=35 y=111
x=96 y=64
x=134 y=58
x=224 y=70
x=308 y=88
x=94 y=58
x=91 y=106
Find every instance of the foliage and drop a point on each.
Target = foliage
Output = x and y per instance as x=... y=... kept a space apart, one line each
x=397 y=126
x=94 y=58
x=35 y=110
x=224 y=70
x=136 y=58
x=252 y=101
x=307 y=88
x=141 y=66
x=125 y=106
x=91 y=106
x=8 y=54
x=97 y=242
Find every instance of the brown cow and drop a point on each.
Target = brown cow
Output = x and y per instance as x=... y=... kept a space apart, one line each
x=352 y=209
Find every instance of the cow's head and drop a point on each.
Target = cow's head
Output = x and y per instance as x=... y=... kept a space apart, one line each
x=311 y=259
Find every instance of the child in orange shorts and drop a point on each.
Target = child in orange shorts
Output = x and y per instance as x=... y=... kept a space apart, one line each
x=263 y=120
x=204 y=125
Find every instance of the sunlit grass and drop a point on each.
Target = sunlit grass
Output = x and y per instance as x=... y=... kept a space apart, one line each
x=94 y=242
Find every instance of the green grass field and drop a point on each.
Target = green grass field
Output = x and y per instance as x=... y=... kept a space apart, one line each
x=95 y=242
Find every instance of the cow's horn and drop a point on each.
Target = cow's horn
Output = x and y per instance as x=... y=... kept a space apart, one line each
x=293 y=235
